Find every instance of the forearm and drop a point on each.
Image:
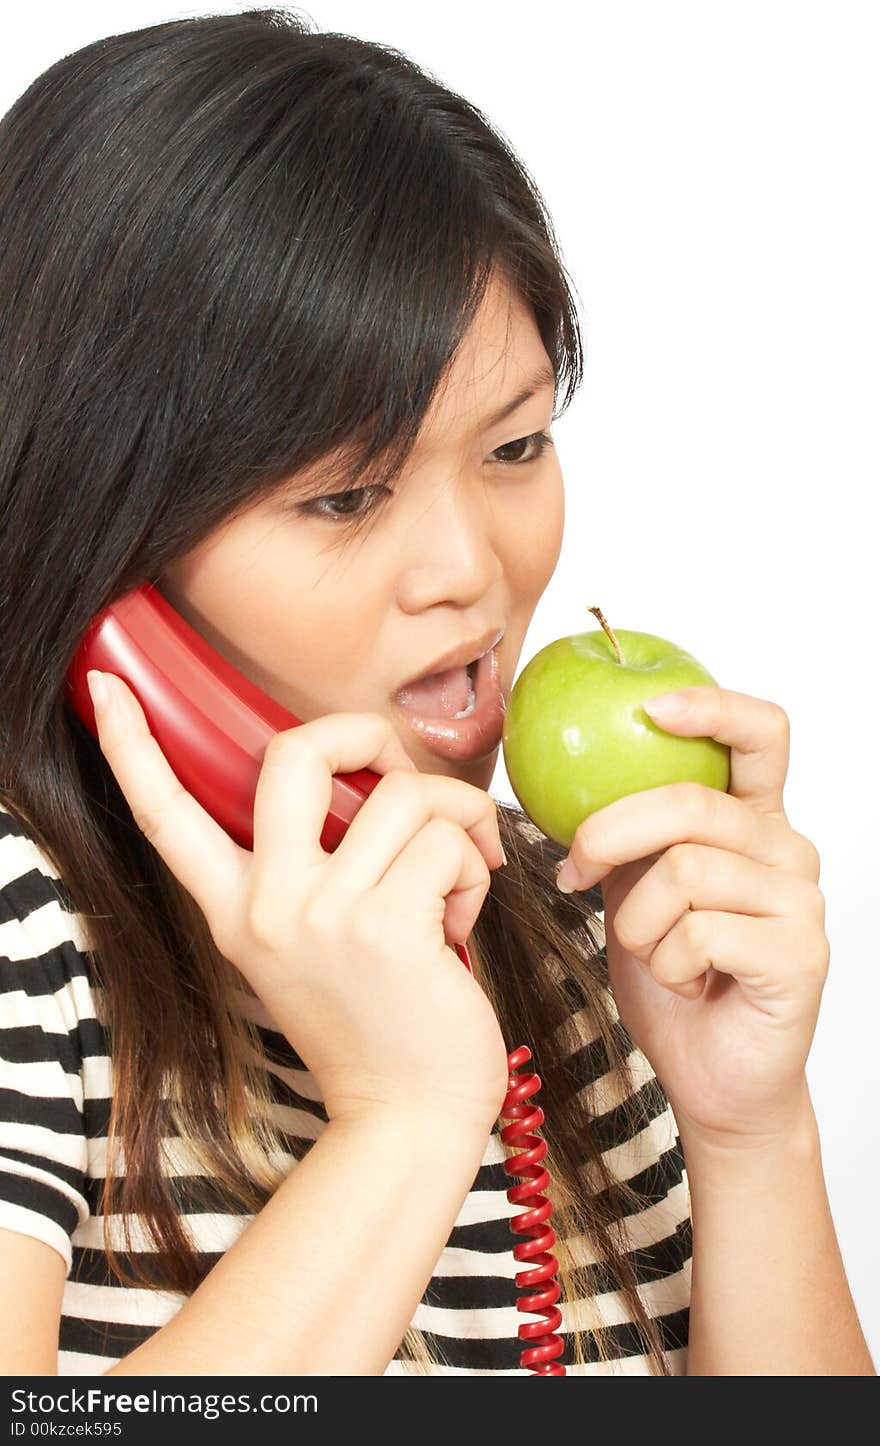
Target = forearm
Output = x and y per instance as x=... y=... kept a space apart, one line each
x=327 y=1277
x=769 y=1294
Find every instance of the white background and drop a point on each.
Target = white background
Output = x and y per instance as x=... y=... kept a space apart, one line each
x=712 y=172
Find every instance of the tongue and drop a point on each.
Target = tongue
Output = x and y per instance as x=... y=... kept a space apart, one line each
x=439 y=696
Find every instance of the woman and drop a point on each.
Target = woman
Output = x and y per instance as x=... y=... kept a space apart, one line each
x=284 y=324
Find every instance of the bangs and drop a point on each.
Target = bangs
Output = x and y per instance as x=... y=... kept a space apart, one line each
x=271 y=270
x=371 y=279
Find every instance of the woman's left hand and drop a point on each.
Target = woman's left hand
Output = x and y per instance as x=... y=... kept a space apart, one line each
x=714 y=926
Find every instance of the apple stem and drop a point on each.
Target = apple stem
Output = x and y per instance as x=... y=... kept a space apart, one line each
x=614 y=643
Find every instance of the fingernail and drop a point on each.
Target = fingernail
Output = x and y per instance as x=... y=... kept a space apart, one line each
x=566 y=876
x=98 y=690
x=667 y=705
x=503 y=857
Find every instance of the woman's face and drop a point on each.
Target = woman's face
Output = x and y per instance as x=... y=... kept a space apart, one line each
x=464 y=547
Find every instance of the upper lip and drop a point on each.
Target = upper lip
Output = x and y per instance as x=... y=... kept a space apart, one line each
x=458 y=657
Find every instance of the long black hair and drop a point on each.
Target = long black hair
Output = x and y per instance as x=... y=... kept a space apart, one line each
x=229 y=247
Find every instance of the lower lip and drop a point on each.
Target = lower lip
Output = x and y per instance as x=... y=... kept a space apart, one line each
x=463 y=739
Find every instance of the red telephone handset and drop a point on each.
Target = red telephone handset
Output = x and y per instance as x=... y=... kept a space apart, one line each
x=213 y=725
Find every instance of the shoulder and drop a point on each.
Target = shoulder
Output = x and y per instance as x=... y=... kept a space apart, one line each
x=43 y=947
x=635 y=1132
x=47 y=1027
x=632 y=1129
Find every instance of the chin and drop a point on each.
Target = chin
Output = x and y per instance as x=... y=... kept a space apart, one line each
x=478 y=772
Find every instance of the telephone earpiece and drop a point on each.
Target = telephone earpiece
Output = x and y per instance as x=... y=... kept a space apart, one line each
x=211 y=722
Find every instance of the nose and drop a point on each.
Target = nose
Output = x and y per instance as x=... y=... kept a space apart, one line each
x=453 y=546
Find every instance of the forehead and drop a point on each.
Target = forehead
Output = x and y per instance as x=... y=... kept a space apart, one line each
x=499 y=357
x=500 y=354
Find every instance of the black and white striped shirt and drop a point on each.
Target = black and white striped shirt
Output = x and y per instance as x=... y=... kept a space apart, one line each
x=56 y=1084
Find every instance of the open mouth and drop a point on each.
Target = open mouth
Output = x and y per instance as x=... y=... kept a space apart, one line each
x=471 y=674
x=458 y=714
x=449 y=695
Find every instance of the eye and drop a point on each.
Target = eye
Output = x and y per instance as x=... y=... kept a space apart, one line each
x=347 y=506
x=343 y=507
x=539 y=441
x=335 y=506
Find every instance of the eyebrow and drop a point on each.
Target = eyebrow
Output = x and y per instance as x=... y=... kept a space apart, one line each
x=544 y=377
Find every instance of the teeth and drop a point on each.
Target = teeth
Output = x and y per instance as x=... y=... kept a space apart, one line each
x=472 y=698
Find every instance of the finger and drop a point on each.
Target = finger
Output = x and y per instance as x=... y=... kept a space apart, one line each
x=691 y=876
x=196 y=849
x=295 y=787
x=656 y=818
x=440 y=858
x=756 y=731
x=397 y=809
x=776 y=961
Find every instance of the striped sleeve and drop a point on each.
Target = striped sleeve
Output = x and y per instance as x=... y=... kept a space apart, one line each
x=43 y=1146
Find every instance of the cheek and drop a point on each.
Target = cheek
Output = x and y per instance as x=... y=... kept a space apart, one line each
x=555 y=527
x=531 y=567
x=244 y=595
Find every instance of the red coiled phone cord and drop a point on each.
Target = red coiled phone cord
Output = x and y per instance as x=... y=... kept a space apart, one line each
x=542 y=1355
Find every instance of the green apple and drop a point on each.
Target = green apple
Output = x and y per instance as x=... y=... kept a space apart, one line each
x=576 y=737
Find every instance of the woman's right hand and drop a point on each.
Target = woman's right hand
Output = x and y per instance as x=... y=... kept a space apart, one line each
x=351 y=952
